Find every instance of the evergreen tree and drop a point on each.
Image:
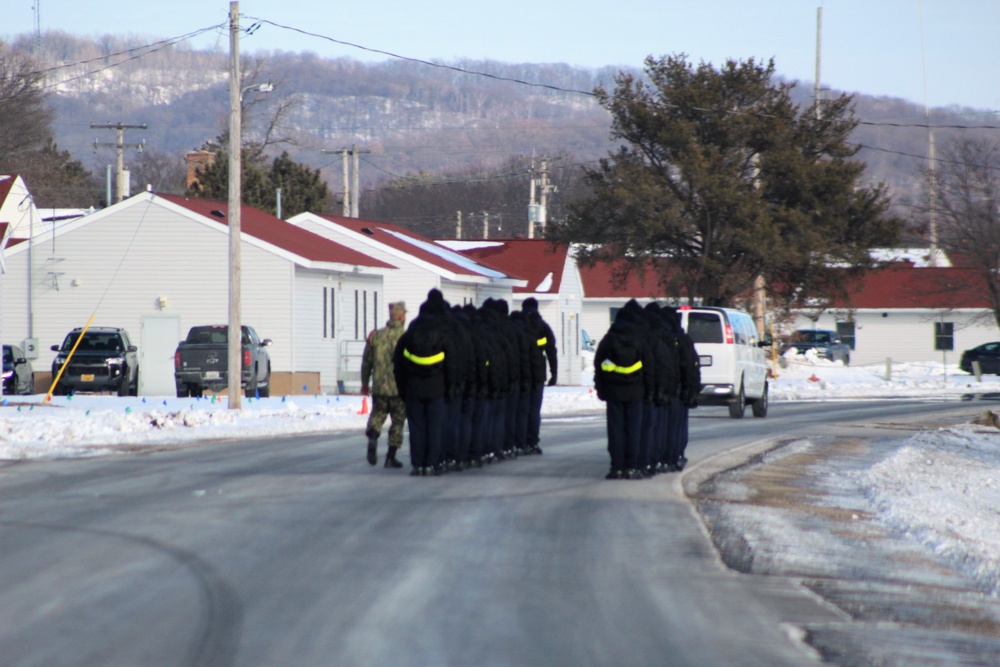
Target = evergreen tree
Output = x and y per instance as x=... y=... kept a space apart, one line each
x=302 y=188
x=721 y=178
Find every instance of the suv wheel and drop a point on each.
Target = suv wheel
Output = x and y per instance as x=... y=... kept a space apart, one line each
x=738 y=405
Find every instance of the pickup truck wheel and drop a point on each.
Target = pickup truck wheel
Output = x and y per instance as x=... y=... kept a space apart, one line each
x=251 y=390
x=265 y=391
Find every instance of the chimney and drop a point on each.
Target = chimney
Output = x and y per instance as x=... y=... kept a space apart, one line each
x=197 y=160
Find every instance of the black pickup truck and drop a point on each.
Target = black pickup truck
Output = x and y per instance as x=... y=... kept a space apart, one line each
x=202 y=362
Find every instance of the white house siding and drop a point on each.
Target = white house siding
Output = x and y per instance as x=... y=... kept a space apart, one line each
x=325 y=322
x=118 y=267
x=908 y=335
x=410 y=283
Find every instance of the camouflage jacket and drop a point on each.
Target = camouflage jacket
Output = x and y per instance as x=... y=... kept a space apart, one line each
x=376 y=363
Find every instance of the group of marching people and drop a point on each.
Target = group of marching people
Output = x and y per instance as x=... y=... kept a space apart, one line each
x=647 y=372
x=471 y=380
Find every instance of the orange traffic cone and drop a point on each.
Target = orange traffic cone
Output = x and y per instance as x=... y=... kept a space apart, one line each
x=364 y=406
x=813 y=378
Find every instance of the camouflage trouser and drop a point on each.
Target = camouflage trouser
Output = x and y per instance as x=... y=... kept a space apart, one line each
x=387 y=406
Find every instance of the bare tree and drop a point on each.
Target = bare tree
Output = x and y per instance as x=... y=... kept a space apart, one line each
x=25 y=117
x=962 y=199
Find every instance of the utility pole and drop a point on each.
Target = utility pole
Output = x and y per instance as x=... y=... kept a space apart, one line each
x=458 y=226
x=352 y=188
x=235 y=342
x=486 y=224
x=346 y=210
x=538 y=211
x=120 y=146
x=356 y=189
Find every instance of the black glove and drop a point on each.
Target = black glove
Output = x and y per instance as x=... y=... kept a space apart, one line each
x=552 y=381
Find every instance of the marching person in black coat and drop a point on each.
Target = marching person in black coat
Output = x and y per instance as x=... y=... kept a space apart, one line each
x=478 y=394
x=543 y=347
x=425 y=363
x=666 y=387
x=688 y=390
x=622 y=381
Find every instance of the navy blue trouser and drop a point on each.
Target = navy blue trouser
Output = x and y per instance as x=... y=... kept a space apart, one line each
x=624 y=433
x=479 y=428
x=498 y=424
x=683 y=429
x=662 y=433
x=523 y=419
x=674 y=431
x=465 y=416
x=510 y=423
x=646 y=435
x=535 y=415
x=426 y=417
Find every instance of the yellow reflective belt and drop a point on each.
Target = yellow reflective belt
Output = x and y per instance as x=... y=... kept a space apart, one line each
x=542 y=342
x=424 y=361
x=611 y=367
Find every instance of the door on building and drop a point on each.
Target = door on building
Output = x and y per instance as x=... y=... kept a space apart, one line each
x=160 y=335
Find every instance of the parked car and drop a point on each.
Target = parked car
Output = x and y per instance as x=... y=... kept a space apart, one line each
x=988 y=356
x=201 y=362
x=104 y=360
x=827 y=344
x=733 y=363
x=18 y=376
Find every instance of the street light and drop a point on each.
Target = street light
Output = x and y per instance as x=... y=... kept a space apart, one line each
x=259 y=87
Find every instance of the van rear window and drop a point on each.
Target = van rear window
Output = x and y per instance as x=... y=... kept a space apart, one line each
x=705 y=327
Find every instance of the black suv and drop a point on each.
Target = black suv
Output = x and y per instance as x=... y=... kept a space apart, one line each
x=104 y=360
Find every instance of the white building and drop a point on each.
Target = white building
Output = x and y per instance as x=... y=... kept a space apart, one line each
x=552 y=278
x=159 y=264
x=423 y=265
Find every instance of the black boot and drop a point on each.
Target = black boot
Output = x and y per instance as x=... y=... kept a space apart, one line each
x=390 y=459
x=373 y=449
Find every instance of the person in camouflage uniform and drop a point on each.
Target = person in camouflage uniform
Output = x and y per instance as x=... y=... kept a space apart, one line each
x=376 y=363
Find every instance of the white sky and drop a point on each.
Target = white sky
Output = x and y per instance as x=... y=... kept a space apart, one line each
x=876 y=47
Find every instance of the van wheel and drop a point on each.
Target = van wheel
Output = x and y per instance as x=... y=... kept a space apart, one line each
x=759 y=407
x=738 y=405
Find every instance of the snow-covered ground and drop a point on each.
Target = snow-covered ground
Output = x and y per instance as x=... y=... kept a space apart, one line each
x=943 y=486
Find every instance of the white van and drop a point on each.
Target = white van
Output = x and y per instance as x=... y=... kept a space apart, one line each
x=733 y=363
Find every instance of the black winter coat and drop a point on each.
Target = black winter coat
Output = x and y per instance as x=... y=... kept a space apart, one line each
x=426 y=361
x=623 y=363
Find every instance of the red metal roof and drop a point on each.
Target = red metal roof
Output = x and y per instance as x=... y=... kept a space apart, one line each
x=389 y=234
x=6 y=183
x=601 y=282
x=902 y=285
x=530 y=259
x=277 y=232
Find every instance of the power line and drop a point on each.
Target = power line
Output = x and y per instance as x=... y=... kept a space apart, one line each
x=429 y=63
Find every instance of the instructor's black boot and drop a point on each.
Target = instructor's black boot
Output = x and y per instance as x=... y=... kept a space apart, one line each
x=390 y=459
x=373 y=449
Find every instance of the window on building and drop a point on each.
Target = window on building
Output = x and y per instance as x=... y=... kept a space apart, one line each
x=329 y=308
x=846 y=332
x=357 y=315
x=944 y=335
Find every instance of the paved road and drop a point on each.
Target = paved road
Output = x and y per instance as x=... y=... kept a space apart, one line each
x=296 y=552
